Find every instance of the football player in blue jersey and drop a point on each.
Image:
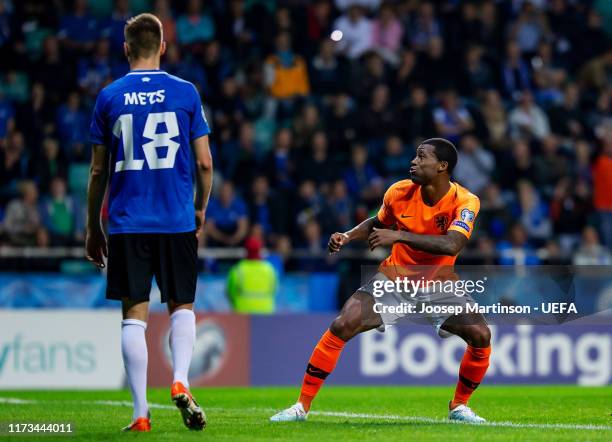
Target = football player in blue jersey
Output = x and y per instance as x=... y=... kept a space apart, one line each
x=150 y=142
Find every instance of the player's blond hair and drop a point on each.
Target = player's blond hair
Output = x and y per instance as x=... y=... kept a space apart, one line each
x=143 y=35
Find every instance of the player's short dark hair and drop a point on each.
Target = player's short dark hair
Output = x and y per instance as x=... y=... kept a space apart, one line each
x=143 y=35
x=445 y=151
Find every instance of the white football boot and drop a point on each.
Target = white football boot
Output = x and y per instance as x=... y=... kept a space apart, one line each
x=295 y=413
x=463 y=413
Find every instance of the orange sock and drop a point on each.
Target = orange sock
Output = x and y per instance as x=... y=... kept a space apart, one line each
x=322 y=362
x=473 y=368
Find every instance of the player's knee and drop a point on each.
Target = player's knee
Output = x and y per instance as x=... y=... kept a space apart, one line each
x=479 y=336
x=344 y=328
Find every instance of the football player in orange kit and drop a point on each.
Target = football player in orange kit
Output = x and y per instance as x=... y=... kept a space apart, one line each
x=434 y=219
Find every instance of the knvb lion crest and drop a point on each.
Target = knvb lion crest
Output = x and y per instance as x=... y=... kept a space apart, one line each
x=441 y=222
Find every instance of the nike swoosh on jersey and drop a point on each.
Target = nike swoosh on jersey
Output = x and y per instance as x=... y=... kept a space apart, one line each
x=406 y=216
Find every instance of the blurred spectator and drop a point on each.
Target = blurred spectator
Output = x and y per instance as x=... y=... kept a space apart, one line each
x=7 y=118
x=72 y=123
x=195 y=26
x=318 y=165
x=50 y=165
x=13 y=165
x=60 y=215
x=306 y=125
x=378 y=119
x=328 y=71
x=79 y=30
x=495 y=120
x=338 y=209
x=217 y=69
x=409 y=74
x=452 y=118
x=387 y=33
x=491 y=28
x=466 y=30
x=252 y=282
x=341 y=124
x=494 y=217
x=515 y=72
x=286 y=73
x=22 y=224
x=116 y=23
x=356 y=32
x=566 y=118
x=184 y=67
x=313 y=240
x=53 y=71
x=280 y=163
x=582 y=164
x=226 y=218
x=94 y=72
x=319 y=20
x=569 y=211
x=417 y=117
x=532 y=212
x=435 y=62
x=602 y=185
x=229 y=113
x=591 y=252
x=373 y=74
x=425 y=27
x=517 y=250
x=309 y=203
x=474 y=166
x=550 y=166
x=595 y=74
x=239 y=159
x=518 y=165
x=548 y=76
x=530 y=28
x=395 y=163
x=267 y=208
x=591 y=41
x=162 y=10
x=477 y=75
x=35 y=117
x=361 y=178
x=527 y=119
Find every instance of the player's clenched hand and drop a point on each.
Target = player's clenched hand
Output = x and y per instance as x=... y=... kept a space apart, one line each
x=382 y=237
x=336 y=241
x=199 y=222
x=95 y=246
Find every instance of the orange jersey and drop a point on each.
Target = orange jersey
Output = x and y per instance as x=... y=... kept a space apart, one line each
x=404 y=208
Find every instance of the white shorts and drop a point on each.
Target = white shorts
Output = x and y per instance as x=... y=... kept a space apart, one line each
x=432 y=308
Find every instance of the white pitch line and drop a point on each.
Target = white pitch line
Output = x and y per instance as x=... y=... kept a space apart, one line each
x=392 y=417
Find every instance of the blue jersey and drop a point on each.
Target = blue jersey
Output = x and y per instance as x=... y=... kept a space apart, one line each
x=147 y=120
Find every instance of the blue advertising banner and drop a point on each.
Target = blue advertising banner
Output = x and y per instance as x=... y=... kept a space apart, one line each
x=403 y=355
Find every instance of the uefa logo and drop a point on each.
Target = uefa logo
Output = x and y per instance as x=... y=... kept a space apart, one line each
x=209 y=349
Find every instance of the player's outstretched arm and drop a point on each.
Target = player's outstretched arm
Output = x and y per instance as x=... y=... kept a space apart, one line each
x=95 y=241
x=204 y=177
x=449 y=244
x=358 y=233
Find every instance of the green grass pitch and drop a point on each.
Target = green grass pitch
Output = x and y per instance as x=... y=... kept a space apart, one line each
x=339 y=413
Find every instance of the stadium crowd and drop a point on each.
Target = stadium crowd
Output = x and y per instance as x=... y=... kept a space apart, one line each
x=317 y=106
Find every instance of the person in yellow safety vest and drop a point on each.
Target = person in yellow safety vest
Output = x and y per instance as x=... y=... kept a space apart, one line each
x=252 y=282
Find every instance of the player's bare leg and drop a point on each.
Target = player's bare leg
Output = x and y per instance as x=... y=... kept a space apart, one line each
x=182 y=339
x=135 y=359
x=474 y=330
x=357 y=316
